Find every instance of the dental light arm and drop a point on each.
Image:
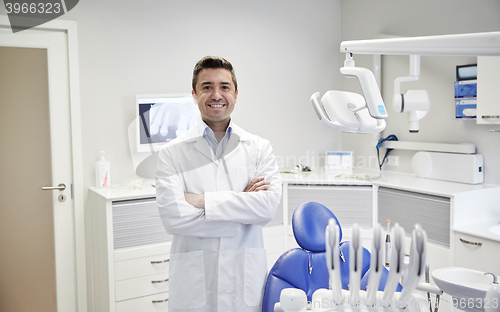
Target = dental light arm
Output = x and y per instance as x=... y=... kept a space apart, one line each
x=369 y=86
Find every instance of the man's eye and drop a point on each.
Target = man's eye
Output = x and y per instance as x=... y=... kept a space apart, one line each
x=207 y=87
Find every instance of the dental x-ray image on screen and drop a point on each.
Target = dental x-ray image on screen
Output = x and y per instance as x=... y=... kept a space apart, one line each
x=162 y=119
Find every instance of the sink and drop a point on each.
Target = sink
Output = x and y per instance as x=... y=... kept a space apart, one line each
x=462 y=282
x=495 y=229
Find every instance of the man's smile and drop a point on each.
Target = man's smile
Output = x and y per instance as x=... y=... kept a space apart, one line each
x=216 y=105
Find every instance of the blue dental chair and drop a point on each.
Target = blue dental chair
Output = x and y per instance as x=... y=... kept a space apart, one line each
x=305 y=268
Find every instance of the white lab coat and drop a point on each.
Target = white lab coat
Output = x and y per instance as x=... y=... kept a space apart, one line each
x=217 y=260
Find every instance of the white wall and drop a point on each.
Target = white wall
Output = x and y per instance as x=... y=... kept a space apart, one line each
x=282 y=51
x=367 y=19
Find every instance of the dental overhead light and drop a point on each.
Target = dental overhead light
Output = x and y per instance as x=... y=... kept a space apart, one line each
x=352 y=113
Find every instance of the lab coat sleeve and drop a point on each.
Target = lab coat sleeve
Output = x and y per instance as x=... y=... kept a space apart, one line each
x=177 y=215
x=249 y=207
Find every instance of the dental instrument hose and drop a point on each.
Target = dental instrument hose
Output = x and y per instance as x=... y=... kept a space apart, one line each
x=391 y=137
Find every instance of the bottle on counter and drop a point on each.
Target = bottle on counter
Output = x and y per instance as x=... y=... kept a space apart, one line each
x=102 y=172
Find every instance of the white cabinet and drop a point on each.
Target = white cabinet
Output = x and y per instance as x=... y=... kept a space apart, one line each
x=130 y=251
x=477 y=253
x=488 y=99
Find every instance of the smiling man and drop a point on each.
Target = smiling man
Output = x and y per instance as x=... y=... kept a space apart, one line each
x=217 y=185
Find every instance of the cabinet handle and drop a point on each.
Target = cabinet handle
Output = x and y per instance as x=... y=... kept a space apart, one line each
x=491 y=116
x=159 y=301
x=470 y=243
x=160 y=281
x=160 y=261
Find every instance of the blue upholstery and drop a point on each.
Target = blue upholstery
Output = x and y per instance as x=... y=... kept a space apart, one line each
x=305 y=267
x=309 y=222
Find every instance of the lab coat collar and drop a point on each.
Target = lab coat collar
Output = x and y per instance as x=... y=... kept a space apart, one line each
x=195 y=134
x=242 y=134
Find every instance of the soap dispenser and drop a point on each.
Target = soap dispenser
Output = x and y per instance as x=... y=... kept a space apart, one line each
x=102 y=173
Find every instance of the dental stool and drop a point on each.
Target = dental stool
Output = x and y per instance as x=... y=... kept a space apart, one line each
x=305 y=268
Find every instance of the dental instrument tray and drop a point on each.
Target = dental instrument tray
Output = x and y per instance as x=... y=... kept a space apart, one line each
x=367 y=298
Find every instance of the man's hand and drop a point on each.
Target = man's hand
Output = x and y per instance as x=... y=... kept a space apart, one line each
x=196 y=200
x=258 y=184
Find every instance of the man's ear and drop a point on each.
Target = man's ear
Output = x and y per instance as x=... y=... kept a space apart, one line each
x=194 y=97
x=236 y=95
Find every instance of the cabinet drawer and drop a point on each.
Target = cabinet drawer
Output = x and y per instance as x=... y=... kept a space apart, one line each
x=142 y=286
x=133 y=268
x=482 y=258
x=137 y=223
x=158 y=302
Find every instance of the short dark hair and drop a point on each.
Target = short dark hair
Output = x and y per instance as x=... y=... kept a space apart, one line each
x=212 y=62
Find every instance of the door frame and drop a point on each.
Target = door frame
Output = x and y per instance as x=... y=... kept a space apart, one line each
x=70 y=29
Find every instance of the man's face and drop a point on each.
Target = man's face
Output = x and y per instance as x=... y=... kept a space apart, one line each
x=215 y=95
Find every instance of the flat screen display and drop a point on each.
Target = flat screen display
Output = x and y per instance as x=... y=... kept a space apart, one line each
x=162 y=118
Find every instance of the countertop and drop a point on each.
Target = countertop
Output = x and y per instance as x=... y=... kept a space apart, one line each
x=124 y=191
x=354 y=177
x=480 y=229
x=369 y=177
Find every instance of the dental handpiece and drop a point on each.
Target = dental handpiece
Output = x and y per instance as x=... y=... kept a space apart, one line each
x=355 y=264
x=376 y=265
x=388 y=244
x=397 y=262
x=333 y=260
x=416 y=268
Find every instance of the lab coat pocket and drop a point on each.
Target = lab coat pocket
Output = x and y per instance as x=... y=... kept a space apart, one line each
x=187 y=280
x=255 y=267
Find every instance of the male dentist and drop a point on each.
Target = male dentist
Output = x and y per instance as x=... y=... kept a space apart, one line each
x=217 y=185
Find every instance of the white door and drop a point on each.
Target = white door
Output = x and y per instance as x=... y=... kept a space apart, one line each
x=38 y=269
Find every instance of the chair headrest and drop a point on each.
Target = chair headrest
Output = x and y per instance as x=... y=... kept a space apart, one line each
x=309 y=222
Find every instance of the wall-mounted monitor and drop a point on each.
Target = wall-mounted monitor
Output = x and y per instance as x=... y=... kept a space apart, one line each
x=161 y=118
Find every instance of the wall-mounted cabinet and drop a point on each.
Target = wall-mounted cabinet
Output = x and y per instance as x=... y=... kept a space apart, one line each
x=488 y=83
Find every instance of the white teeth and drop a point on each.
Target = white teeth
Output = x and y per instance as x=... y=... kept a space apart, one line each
x=216 y=105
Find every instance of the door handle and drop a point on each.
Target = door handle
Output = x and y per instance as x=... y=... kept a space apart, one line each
x=60 y=187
